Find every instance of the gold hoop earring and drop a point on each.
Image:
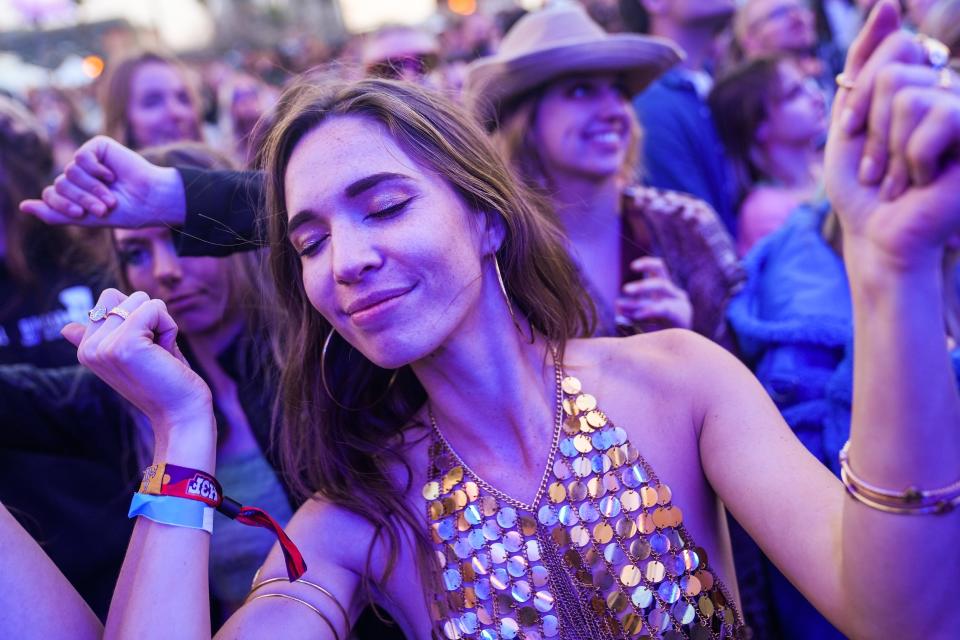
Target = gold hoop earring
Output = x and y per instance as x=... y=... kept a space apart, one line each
x=506 y=297
x=326 y=387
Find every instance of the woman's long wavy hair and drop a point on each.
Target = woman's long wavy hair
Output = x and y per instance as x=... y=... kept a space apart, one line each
x=740 y=102
x=350 y=457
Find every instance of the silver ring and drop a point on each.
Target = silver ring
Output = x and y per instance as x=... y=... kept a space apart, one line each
x=97 y=314
x=938 y=54
x=118 y=311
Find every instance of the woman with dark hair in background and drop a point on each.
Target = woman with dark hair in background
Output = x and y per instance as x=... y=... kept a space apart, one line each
x=43 y=281
x=148 y=100
x=772 y=120
x=68 y=414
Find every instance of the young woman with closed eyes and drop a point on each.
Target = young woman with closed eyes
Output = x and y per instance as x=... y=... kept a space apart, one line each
x=485 y=476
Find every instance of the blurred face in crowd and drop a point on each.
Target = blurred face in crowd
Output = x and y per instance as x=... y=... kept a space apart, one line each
x=390 y=255
x=247 y=103
x=691 y=12
x=767 y=27
x=161 y=108
x=195 y=290
x=582 y=127
x=797 y=114
x=401 y=53
x=52 y=111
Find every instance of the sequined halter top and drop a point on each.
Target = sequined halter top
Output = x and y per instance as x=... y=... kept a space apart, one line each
x=601 y=553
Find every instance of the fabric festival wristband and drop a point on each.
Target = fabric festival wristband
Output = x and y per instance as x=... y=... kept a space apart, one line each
x=173 y=511
x=170 y=480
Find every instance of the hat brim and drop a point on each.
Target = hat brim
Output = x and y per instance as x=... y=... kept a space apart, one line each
x=494 y=82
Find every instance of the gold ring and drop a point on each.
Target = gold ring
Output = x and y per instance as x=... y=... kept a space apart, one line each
x=117 y=311
x=938 y=54
x=844 y=82
x=97 y=314
x=945 y=79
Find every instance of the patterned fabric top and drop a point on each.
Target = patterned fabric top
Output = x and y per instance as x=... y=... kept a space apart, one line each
x=604 y=553
x=692 y=241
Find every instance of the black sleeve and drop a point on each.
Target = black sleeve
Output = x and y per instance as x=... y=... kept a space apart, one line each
x=222 y=208
x=65 y=410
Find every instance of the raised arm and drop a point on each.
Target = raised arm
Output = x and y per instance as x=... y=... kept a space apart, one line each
x=163 y=591
x=872 y=572
x=906 y=407
x=36 y=600
x=108 y=185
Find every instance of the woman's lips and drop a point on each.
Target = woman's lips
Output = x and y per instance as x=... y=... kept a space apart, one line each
x=370 y=307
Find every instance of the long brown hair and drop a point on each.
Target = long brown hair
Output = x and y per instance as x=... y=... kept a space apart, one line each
x=345 y=455
x=740 y=102
x=26 y=163
x=116 y=92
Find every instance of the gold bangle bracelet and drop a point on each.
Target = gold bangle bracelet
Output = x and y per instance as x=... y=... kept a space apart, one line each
x=911 y=500
x=317 y=611
x=937 y=508
x=343 y=612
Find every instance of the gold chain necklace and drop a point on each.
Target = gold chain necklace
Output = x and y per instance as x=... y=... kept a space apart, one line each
x=557 y=429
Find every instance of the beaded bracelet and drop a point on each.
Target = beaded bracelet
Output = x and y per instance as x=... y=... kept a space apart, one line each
x=173 y=511
x=910 y=501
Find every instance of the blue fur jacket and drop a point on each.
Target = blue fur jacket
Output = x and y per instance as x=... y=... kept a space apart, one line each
x=793 y=326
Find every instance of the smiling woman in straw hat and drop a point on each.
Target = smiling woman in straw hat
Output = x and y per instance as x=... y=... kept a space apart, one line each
x=556 y=97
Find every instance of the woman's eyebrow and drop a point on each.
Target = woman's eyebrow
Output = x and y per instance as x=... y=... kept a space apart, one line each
x=365 y=184
x=301 y=218
x=352 y=190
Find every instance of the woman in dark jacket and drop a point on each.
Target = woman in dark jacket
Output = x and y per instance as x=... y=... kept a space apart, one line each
x=93 y=445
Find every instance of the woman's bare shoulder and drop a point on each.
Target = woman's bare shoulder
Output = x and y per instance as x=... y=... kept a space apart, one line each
x=654 y=358
x=669 y=373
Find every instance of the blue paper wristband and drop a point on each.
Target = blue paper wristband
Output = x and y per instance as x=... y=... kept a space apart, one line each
x=171 y=510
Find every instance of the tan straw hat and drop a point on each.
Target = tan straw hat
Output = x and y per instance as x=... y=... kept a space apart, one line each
x=557 y=41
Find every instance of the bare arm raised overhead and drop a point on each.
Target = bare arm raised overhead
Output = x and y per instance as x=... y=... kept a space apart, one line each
x=873 y=573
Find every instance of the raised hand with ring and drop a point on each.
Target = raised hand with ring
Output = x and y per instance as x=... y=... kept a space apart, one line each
x=133 y=348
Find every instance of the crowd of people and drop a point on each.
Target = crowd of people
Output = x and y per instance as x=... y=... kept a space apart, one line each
x=603 y=320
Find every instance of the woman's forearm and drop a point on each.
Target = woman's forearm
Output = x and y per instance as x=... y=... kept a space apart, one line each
x=905 y=432
x=163 y=588
x=36 y=600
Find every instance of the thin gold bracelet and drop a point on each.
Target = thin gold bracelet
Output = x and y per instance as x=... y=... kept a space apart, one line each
x=909 y=501
x=317 y=611
x=343 y=612
x=937 y=508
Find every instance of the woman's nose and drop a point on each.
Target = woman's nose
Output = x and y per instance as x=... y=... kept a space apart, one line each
x=352 y=254
x=166 y=266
